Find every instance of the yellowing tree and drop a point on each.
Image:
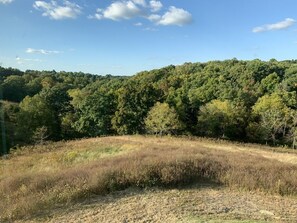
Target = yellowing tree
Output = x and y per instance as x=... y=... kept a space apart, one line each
x=162 y=119
x=221 y=119
x=274 y=117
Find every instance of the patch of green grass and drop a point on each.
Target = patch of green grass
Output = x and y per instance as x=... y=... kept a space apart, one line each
x=74 y=156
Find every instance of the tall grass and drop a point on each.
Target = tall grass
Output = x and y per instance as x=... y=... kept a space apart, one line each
x=26 y=194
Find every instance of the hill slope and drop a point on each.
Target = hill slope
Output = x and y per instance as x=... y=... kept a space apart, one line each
x=148 y=179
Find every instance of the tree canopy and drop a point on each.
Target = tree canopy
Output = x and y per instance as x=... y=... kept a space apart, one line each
x=253 y=101
x=162 y=119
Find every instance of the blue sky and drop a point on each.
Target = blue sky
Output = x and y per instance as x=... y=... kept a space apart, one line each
x=123 y=37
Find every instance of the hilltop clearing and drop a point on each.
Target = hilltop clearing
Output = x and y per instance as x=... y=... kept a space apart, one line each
x=149 y=179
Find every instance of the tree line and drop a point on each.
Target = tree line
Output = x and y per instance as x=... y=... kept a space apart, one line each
x=252 y=101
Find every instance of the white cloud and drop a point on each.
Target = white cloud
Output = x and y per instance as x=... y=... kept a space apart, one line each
x=276 y=26
x=138 y=24
x=42 y=51
x=24 y=60
x=128 y=9
x=175 y=16
x=150 y=29
x=156 y=5
x=154 y=18
x=98 y=15
x=6 y=1
x=140 y=2
x=119 y=10
x=66 y=11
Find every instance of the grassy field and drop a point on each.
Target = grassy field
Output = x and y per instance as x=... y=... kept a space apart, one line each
x=37 y=181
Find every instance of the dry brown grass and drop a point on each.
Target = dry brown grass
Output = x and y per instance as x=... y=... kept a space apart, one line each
x=59 y=174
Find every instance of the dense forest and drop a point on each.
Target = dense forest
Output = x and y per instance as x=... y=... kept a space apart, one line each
x=252 y=101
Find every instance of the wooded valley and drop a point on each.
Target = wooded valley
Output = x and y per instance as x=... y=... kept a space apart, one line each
x=250 y=101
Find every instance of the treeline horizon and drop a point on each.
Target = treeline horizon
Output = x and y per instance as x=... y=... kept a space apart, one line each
x=250 y=101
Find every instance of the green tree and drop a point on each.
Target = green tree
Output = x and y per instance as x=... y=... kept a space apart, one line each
x=57 y=100
x=14 y=88
x=179 y=100
x=292 y=133
x=272 y=116
x=270 y=83
x=134 y=101
x=162 y=119
x=95 y=113
x=33 y=86
x=34 y=114
x=47 y=82
x=3 y=134
x=8 y=125
x=222 y=119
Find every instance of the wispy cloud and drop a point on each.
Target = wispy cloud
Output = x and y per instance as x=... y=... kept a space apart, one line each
x=275 y=26
x=20 y=60
x=42 y=51
x=53 y=10
x=5 y=1
x=138 y=24
x=140 y=2
x=150 y=29
x=128 y=9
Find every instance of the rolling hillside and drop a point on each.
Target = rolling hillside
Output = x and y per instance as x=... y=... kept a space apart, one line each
x=149 y=179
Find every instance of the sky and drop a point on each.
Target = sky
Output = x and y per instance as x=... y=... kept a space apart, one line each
x=123 y=37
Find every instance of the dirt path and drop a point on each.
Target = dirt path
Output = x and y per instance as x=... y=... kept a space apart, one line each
x=198 y=204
